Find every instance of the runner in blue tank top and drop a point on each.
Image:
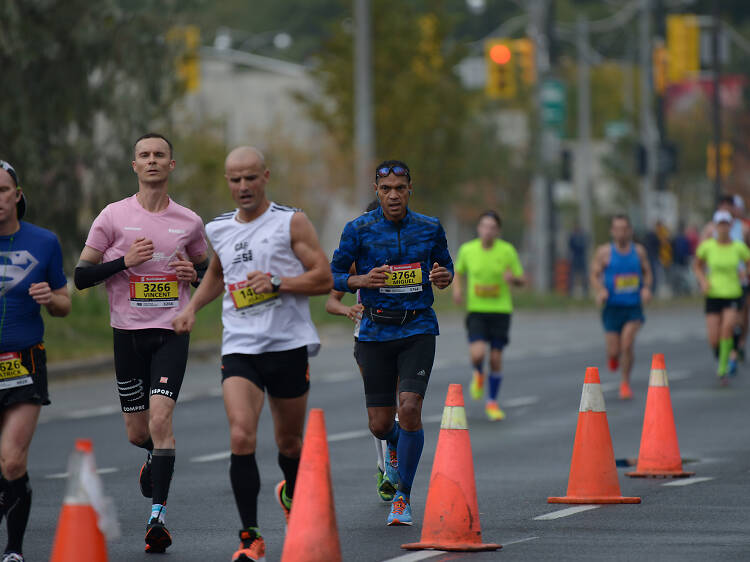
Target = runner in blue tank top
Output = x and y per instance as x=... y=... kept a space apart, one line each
x=621 y=278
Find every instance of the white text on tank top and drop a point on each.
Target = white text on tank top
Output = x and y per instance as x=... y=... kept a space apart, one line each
x=256 y=323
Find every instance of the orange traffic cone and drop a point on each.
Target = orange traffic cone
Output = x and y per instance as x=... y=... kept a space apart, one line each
x=78 y=535
x=659 y=455
x=593 y=474
x=451 y=514
x=312 y=534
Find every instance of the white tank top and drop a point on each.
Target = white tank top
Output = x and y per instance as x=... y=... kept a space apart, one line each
x=267 y=322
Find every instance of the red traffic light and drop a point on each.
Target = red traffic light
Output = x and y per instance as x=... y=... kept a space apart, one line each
x=500 y=54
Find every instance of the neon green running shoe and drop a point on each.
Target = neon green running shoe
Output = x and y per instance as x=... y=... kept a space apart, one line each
x=385 y=489
x=476 y=388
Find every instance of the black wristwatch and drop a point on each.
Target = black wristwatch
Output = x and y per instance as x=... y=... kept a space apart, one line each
x=275 y=283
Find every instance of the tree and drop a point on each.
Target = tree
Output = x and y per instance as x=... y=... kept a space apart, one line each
x=81 y=80
x=420 y=106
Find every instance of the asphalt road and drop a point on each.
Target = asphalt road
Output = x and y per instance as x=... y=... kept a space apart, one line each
x=518 y=462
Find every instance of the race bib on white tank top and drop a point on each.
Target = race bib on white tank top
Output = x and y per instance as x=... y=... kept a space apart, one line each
x=260 y=322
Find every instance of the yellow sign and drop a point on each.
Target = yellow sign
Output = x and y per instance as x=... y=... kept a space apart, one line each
x=725 y=159
x=188 y=39
x=683 y=47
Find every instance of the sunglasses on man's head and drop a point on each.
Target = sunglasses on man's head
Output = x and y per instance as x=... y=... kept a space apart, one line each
x=385 y=171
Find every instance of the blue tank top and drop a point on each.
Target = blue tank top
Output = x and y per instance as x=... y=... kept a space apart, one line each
x=623 y=278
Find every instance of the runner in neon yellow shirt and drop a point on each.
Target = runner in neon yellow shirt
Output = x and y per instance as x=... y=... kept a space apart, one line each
x=717 y=269
x=487 y=267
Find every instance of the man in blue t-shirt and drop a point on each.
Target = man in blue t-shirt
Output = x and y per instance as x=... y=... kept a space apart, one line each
x=31 y=276
x=621 y=279
x=398 y=255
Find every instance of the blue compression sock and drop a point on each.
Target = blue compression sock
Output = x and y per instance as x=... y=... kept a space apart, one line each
x=393 y=434
x=495 y=380
x=409 y=452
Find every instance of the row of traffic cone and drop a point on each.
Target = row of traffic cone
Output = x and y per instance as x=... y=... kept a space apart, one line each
x=451 y=519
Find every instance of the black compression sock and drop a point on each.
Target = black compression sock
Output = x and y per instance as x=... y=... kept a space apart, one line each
x=289 y=467
x=148 y=444
x=18 y=512
x=4 y=497
x=162 y=468
x=245 y=479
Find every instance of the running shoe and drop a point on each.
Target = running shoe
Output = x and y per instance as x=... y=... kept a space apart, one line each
x=252 y=547
x=493 y=411
x=157 y=536
x=400 y=511
x=386 y=490
x=145 y=478
x=732 y=368
x=625 y=392
x=12 y=557
x=391 y=465
x=284 y=502
x=476 y=388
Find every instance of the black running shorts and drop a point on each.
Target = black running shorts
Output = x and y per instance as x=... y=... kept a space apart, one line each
x=490 y=327
x=716 y=305
x=402 y=365
x=283 y=374
x=148 y=362
x=34 y=360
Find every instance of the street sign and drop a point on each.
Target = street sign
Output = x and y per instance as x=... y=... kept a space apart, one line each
x=552 y=93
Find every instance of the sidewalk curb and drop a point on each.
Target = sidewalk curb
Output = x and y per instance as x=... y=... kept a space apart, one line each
x=98 y=364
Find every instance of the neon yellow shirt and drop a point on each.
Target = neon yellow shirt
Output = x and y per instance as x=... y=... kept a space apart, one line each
x=487 y=290
x=722 y=261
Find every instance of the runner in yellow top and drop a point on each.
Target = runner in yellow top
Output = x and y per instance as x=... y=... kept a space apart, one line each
x=490 y=266
x=717 y=269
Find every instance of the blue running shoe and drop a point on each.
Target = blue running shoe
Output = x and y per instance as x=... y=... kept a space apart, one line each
x=732 y=370
x=391 y=466
x=400 y=510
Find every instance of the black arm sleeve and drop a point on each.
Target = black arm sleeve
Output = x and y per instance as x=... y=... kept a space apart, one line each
x=200 y=269
x=87 y=274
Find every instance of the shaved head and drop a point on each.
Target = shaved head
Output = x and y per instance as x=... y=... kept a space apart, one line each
x=244 y=157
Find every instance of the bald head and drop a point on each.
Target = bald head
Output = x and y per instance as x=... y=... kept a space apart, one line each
x=244 y=157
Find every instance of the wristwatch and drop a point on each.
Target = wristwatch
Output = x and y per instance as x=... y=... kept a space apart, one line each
x=275 y=283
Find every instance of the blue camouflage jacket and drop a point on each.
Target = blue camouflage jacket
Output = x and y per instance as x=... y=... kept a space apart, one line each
x=410 y=247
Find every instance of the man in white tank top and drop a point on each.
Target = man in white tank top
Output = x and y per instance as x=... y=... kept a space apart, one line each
x=267 y=261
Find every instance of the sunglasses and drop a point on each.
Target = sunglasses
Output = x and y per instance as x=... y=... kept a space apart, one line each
x=385 y=171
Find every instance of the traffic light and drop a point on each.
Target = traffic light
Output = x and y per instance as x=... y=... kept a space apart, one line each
x=726 y=152
x=683 y=46
x=501 y=72
x=188 y=39
x=526 y=60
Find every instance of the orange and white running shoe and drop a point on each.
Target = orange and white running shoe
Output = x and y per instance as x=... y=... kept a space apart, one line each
x=625 y=392
x=252 y=547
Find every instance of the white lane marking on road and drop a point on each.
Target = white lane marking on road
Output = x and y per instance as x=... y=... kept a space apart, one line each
x=348 y=435
x=565 y=512
x=335 y=377
x=678 y=375
x=520 y=541
x=212 y=457
x=414 y=556
x=688 y=481
x=59 y=475
x=91 y=412
x=520 y=401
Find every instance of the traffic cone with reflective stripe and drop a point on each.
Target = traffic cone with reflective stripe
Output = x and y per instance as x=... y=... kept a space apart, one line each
x=593 y=474
x=451 y=514
x=78 y=535
x=659 y=455
x=312 y=534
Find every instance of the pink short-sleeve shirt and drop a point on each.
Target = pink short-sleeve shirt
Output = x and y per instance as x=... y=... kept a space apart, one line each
x=147 y=295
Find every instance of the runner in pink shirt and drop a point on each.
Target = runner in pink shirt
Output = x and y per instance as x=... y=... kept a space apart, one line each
x=148 y=249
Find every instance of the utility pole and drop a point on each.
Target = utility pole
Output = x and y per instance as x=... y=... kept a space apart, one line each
x=648 y=132
x=584 y=126
x=661 y=126
x=541 y=217
x=364 y=130
x=715 y=99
